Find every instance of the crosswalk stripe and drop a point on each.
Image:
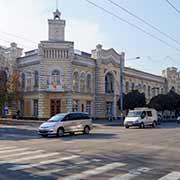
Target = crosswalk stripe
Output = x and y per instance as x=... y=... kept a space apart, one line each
x=29 y=158
x=21 y=154
x=6 y=148
x=2 y=145
x=171 y=176
x=20 y=167
x=49 y=172
x=93 y=172
x=13 y=150
x=132 y=174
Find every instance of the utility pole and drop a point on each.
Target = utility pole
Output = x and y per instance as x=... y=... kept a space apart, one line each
x=121 y=83
x=122 y=62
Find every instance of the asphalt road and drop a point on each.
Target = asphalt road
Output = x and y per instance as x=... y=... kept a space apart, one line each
x=108 y=153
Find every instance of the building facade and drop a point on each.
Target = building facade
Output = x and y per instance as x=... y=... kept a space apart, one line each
x=57 y=78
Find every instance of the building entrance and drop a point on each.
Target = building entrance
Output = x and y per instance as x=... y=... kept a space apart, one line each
x=55 y=106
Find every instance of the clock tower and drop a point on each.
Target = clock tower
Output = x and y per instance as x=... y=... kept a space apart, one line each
x=56 y=27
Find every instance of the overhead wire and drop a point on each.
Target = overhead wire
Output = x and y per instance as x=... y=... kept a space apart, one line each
x=131 y=24
x=144 y=21
x=173 y=6
x=16 y=36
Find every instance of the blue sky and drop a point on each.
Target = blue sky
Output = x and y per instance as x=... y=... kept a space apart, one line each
x=87 y=26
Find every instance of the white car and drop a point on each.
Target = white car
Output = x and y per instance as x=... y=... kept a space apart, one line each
x=66 y=123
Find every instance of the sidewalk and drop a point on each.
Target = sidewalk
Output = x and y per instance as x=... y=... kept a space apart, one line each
x=9 y=121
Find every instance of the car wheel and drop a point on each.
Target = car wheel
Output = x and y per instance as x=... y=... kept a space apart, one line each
x=154 y=124
x=86 y=130
x=127 y=126
x=60 y=132
x=141 y=125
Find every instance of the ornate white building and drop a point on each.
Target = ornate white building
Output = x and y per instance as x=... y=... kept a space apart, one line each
x=56 y=78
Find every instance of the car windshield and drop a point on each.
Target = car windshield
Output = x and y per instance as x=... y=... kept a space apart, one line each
x=57 y=118
x=134 y=114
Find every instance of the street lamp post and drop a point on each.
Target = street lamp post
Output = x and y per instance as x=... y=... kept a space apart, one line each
x=121 y=84
x=122 y=61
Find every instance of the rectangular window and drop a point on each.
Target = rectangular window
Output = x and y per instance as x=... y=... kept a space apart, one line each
x=29 y=81
x=75 y=105
x=88 y=107
x=35 y=107
x=109 y=108
x=149 y=113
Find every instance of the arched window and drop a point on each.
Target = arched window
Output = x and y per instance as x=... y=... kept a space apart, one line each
x=132 y=87
x=162 y=91
x=153 y=91
x=88 y=83
x=55 y=77
x=36 y=79
x=158 y=91
x=29 y=80
x=144 y=89
x=76 y=82
x=109 y=83
x=127 y=87
x=23 y=81
x=149 y=91
x=82 y=82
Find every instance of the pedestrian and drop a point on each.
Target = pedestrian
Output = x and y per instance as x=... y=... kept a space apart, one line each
x=18 y=114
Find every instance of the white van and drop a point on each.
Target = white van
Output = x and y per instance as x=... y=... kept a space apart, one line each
x=141 y=117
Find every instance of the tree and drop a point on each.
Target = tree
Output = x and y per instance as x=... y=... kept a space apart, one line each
x=13 y=88
x=133 y=99
x=170 y=101
x=9 y=89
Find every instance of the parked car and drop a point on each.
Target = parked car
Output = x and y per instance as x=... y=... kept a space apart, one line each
x=178 y=119
x=141 y=117
x=66 y=123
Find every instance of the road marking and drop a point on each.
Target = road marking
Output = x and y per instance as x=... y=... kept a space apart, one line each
x=171 y=176
x=96 y=160
x=20 y=167
x=82 y=162
x=13 y=150
x=132 y=174
x=49 y=172
x=29 y=158
x=2 y=146
x=93 y=172
x=7 y=148
x=21 y=154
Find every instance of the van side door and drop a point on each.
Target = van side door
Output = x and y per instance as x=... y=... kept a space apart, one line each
x=150 y=117
x=144 y=118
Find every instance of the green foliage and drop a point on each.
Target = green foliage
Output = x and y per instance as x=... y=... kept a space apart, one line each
x=133 y=99
x=170 y=101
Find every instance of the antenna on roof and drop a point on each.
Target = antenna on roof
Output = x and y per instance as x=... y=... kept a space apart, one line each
x=57 y=4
